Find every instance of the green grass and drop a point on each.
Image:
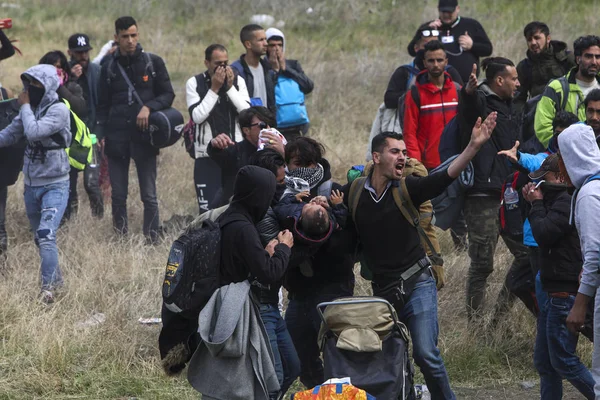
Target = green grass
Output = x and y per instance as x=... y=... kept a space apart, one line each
x=349 y=48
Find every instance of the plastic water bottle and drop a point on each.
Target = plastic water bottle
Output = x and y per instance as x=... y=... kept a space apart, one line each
x=511 y=198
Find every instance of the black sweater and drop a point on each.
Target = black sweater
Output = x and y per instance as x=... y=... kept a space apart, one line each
x=390 y=244
x=461 y=60
x=558 y=241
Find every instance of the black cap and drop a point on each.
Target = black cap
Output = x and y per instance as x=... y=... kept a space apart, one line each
x=550 y=164
x=447 y=5
x=79 y=42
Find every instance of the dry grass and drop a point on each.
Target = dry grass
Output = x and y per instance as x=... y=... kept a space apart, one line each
x=350 y=49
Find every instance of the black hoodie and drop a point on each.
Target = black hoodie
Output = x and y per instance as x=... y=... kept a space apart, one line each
x=242 y=254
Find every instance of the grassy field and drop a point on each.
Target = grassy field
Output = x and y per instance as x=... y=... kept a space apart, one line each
x=349 y=48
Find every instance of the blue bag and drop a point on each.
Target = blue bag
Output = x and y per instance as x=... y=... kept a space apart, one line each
x=289 y=100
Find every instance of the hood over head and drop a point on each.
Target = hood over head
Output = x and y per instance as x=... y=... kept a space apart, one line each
x=253 y=191
x=275 y=32
x=580 y=153
x=47 y=75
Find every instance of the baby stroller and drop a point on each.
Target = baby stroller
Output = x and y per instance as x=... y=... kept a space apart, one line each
x=362 y=338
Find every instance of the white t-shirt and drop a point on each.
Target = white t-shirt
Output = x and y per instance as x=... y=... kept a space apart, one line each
x=587 y=87
x=260 y=89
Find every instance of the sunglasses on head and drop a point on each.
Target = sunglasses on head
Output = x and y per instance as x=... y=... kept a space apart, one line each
x=430 y=32
x=261 y=124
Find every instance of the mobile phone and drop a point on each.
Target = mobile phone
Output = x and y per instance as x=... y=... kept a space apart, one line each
x=6 y=23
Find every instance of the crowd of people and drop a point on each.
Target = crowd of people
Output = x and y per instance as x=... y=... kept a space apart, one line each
x=527 y=134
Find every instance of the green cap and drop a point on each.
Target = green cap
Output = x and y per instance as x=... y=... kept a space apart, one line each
x=94 y=138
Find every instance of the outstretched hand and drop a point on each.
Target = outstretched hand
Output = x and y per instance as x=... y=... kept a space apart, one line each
x=511 y=154
x=482 y=131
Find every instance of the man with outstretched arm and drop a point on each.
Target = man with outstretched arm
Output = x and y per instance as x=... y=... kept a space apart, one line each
x=401 y=270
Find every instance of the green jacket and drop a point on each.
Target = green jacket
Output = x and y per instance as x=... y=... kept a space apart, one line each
x=551 y=100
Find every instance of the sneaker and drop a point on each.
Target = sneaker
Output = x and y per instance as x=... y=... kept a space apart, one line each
x=47 y=297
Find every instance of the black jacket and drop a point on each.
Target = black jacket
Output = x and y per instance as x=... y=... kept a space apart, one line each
x=558 y=241
x=294 y=70
x=231 y=160
x=400 y=80
x=243 y=70
x=242 y=253
x=89 y=83
x=117 y=111
x=462 y=60
x=536 y=70
x=490 y=169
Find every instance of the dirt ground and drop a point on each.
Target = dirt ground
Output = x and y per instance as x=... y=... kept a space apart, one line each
x=511 y=393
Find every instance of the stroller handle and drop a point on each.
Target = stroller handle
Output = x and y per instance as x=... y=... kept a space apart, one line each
x=356 y=300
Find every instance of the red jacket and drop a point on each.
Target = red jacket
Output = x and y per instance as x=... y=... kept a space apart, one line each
x=425 y=118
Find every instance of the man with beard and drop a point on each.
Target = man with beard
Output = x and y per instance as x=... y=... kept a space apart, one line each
x=581 y=80
x=482 y=201
x=404 y=76
x=546 y=59
x=464 y=38
x=592 y=111
x=430 y=105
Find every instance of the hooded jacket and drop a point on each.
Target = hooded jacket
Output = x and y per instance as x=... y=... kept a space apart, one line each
x=490 y=169
x=426 y=117
x=293 y=69
x=560 y=254
x=242 y=254
x=580 y=153
x=46 y=161
x=536 y=70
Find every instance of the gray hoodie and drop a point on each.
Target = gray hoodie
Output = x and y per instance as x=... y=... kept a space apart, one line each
x=579 y=150
x=38 y=125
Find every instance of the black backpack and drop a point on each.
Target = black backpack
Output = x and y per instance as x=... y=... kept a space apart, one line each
x=192 y=272
x=531 y=144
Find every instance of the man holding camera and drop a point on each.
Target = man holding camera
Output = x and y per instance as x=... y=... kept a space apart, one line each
x=214 y=99
x=123 y=122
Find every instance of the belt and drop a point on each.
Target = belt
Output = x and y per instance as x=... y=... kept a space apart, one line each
x=420 y=267
x=560 y=295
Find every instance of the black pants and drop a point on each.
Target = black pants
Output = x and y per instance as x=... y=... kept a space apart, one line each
x=93 y=192
x=207 y=180
x=3 y=236
x=118 y=169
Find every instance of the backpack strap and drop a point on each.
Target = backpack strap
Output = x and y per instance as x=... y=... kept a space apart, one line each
x=565 y=89
x=354 y=195
x=412 y=74
x=416 y=96
x=407 y=208
x=149 y=64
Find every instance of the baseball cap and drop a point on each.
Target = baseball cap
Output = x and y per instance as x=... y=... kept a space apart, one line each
x=79 y=42
x=447 y=5
x=550 y=164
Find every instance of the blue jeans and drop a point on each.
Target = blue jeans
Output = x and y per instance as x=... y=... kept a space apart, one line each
x=540 y=294
x=419 y=315
x=554 y=355
x=287 y=364
x=45 y=207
